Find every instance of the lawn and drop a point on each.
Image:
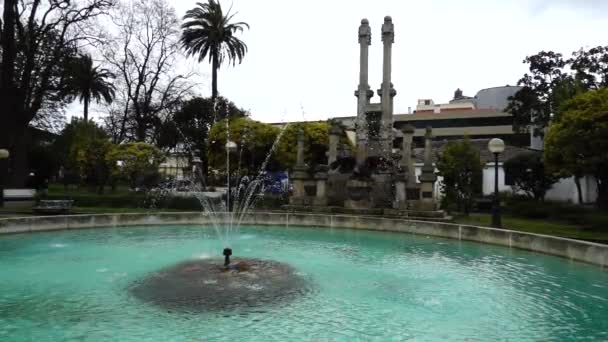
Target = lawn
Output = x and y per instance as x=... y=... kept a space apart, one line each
x=541 y=226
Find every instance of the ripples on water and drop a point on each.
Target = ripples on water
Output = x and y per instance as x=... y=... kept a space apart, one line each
x=368 y=286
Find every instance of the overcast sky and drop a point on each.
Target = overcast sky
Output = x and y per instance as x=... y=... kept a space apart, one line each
x=303 y=55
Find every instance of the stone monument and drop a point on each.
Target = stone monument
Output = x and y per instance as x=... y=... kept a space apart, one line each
x=428 y=176
x=374 y=181
x=300 y=174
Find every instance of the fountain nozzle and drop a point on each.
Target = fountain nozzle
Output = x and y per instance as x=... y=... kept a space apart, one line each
x=227 y=253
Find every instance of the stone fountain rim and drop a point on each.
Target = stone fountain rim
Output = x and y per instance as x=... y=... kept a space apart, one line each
x=578 y=250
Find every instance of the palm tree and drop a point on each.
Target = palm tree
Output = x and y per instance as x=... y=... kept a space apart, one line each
x=208 y=32
x=87 y=82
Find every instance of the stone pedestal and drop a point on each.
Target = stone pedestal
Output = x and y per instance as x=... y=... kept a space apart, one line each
x=427 y=200
x=299 y=175
x=428 y=176
x=321 y=195
x=400 y=201
x=358 y=194
x=334 y=139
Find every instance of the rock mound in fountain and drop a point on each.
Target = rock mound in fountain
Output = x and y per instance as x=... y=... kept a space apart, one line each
x=204 y=285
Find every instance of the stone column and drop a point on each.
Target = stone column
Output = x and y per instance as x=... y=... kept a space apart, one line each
x=299 y=175
x=321 y=195
x=334 y=139
x=407 y=160
x=428 y=177
x=387 y=92
x=400 y=202
x=363 y=92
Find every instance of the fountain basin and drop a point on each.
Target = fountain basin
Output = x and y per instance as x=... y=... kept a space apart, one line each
x=78 y=284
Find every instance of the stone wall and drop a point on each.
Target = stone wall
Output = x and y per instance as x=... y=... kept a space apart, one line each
x=589 y=252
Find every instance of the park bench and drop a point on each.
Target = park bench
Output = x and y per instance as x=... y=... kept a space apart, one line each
x=19 y=198
x=53 y=207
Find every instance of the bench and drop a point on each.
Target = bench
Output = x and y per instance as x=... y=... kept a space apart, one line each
x=53 y=207
x=19 y=198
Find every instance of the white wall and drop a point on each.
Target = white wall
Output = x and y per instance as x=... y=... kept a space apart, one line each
x=488 y=179
x=562 y=191
x=565 y=190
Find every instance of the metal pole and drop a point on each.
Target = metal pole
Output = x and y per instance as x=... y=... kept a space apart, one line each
x=496 y=221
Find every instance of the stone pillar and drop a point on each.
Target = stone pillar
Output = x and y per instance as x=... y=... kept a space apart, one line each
x=334 y=139
x=400 y=202
x=407 y=160
x=363 y=92
x=428 y=177
x=387 y=92
x=321 y=195
x=299 y=175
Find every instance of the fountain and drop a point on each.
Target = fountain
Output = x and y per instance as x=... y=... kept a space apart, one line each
x=207 y=285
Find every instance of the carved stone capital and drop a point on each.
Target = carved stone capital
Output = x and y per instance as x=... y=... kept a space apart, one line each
x=369 y=93
x=365 y=33
x=388 y=30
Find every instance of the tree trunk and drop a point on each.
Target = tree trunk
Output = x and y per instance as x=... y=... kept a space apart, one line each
x=8 y=88
x=602 y=192
x=18 y=163
x=577 y=181
x=86 y=110
x=214 y=67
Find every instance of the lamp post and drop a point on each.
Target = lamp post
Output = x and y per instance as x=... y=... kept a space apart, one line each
x=496 y=147
x=230 y=147
x=4 y=154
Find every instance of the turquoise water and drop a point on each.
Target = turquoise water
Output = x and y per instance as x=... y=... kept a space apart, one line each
x=367 y=286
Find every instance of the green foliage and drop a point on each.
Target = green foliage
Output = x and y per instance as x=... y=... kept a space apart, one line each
x=529 y=175
x=191 y=125
x=577 y=141
x=316 y=139
x=461 y=169
x=90 y=161
x=43 y=162
x=544 y=90
x=78 y=148
x=137 y=162
x=253 y=138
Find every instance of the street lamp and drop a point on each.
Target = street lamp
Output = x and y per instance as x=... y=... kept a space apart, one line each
x=230 y=148
x=4 y=154
x=496 y=147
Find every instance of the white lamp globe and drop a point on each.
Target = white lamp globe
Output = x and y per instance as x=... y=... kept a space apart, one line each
x=496 y=145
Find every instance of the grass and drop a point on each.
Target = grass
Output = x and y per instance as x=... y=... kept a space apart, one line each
x=539 y=226
x=105 y=210
x=59 y=190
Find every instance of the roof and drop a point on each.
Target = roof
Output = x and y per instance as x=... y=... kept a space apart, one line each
x=481 y=145
x=451 y=114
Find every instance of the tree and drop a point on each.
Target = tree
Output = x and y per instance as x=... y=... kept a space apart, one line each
x=207 y=31
x=136 y=161
x=577 y=141
x=253 y=138
x=88 y=82
x=591 y=67
x=72 y=149
x=91 y=162
x=530 y=175
x=533 y=106
x=316 y=140
x=37 y=39
x=461 y=169
x=192 y=122
x=142 y=51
